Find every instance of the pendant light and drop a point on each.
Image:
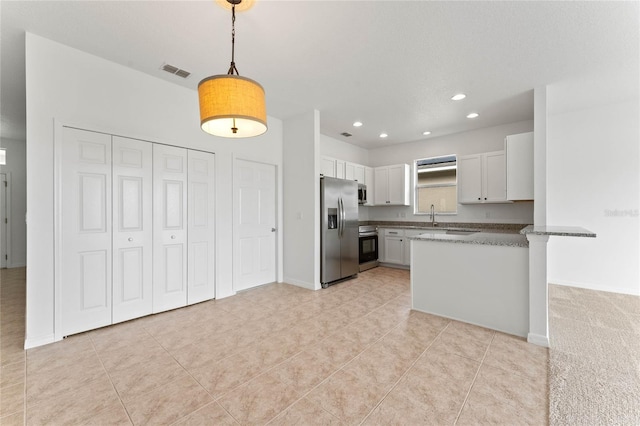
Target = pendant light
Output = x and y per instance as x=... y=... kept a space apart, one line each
x=232 y=106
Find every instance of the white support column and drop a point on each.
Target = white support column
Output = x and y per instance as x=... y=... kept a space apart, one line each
x=538 y=291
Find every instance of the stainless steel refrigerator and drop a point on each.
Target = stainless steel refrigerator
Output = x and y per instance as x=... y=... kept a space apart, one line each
x=339 y=229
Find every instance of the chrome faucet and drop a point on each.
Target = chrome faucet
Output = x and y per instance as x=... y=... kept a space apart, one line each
x=433 y=215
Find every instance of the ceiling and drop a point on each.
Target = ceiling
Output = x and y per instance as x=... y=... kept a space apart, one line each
x=393 y=65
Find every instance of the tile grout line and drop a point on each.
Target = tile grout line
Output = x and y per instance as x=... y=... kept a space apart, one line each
x=474 y=378
x=335 y=372
x=110 y=380
x=213 y=400
x=404 y=374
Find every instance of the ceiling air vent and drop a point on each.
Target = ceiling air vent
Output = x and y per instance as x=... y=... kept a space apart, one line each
x=175 y=71
x=346 y=134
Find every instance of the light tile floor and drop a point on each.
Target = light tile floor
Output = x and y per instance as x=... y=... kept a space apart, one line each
x=351 y=354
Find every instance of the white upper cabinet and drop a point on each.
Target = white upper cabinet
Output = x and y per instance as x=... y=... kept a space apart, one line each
x=482 y=178
x=332 y=167
x=519 y=152
x=392 y=185
x=328 y=167
x=340 y=169
x=495 y=176
x=355 y=172
x=370 y=182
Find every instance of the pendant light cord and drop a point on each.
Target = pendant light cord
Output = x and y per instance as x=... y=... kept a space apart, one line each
x=232 y=68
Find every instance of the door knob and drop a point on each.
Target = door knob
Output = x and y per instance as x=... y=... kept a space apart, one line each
x=129 y=239
x=173 y=237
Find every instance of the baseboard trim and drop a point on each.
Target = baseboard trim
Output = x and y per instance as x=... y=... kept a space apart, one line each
x=596 y=287
x=538 y=339
x=300 y=283
x=35 y=342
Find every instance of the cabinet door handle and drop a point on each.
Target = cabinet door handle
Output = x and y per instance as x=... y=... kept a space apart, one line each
x=485 y=198
x=129 y=239
x=173 y=237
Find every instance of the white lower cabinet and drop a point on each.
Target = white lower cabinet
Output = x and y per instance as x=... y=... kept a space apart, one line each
x=395 y=245
x=407 y=244
x=394 y=250
x=125 y=213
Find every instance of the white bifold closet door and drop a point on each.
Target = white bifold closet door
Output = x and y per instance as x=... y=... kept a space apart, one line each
x=201 y=236
x=136 y=229
x=169 y=227
x=132 y=229
x=85 y=238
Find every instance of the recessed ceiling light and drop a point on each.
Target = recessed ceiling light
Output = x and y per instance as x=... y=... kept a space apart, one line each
x=426 y=133
x=458 y=97
x=357 y=124
x=473 y=115
x=383 y=135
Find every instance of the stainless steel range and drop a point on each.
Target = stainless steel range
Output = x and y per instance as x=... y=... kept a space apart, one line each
x=368 y=251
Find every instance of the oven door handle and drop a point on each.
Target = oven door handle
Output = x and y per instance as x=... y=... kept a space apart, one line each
x=368 y=234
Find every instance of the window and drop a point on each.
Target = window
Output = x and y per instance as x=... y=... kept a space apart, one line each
x=436 y=184
x=3 y=156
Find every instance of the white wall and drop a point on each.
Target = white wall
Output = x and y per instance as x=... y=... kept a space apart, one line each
x=72 y=87
x=16 y=168
x=472 y=142
x=331 y=147
x=593 y=181
x=302 y=200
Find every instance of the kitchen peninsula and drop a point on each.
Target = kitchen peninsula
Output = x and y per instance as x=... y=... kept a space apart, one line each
x=491 y=279
x=480 y=278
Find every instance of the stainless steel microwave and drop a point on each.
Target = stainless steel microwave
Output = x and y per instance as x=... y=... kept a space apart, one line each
x=362 y=193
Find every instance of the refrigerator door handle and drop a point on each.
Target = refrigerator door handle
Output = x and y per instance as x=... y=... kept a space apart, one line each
x=344 y=216
x=341 y=217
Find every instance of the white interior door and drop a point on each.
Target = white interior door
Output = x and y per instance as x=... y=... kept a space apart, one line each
x=132 y=229
x=169 y=227
x=201 y=229
x=85 y=260
x=3 y=221
x=254 y=223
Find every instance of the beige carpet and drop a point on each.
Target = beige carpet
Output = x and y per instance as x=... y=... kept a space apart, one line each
x=594 y=359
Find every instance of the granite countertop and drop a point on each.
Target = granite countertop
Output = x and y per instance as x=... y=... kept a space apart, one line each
x=481 y=238
x=562 y=231
x=484 y=227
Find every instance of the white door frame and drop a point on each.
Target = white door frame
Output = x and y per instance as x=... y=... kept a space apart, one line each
x=278 y=218
x=5 y=237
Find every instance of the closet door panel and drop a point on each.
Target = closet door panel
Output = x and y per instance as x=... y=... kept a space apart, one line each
x=169 y=227
x=201 y=208
x=133 y=228
x=85 y=240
